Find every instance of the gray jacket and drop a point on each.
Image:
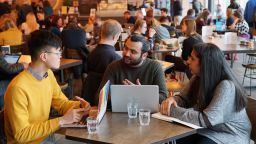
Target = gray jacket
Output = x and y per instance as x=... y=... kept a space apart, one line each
x=220 y=121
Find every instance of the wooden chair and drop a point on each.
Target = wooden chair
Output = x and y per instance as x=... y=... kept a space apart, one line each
x=2 y=133
x=251 y=112
x=22 y=48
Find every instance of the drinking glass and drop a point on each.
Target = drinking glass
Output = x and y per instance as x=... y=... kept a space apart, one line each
x=144 y=116
x=132 y=109
x=91 y=125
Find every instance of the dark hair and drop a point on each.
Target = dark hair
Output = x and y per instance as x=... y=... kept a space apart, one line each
x=140 y=38
x=239 y=15
x=127 y=12
x=40 y=40
x=190 y=12
x=164 y=10
x=213 y=70
x=72 y=25
x=46 y=3
x=55 y=19
x=163 y=19
x=150 y=13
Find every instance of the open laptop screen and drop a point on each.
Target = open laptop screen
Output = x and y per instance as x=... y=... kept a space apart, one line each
x=147 y=97
x=103 y=99
x=12 y=59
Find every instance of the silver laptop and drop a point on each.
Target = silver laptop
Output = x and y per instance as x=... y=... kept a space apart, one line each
x=147 y=97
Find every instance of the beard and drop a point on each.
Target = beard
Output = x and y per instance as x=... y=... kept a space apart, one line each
x=131 y=62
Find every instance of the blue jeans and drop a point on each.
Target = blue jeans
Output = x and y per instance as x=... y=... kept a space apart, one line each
x=3 y=87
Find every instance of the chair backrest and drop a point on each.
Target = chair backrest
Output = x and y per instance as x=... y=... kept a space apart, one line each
x=251 y=111
x=2 y=133
x=21 y=48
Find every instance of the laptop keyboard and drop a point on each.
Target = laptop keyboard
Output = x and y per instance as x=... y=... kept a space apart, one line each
x=81 y=124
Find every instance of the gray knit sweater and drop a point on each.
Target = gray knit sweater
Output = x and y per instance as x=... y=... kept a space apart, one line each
x=220 y=122
x=149 y=73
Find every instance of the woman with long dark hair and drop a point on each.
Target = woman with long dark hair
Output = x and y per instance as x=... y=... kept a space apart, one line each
x=213 y=99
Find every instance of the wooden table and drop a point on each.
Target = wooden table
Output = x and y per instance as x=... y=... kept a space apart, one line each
x=64 y=63
x=230 y=48
x=166 y=50
x=163 y=51
x=118 y=128
x=67 y=63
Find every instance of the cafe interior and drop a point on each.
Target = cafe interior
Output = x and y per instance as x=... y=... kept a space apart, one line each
x=143 y=71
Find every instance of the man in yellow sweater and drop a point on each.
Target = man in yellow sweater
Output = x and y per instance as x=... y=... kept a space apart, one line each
x=34 y=91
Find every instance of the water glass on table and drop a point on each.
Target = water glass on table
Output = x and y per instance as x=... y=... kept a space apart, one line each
x=92 y=125
x=132 y=109
x=144 y=117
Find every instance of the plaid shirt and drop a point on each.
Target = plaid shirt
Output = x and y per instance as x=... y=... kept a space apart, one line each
x=242 y=27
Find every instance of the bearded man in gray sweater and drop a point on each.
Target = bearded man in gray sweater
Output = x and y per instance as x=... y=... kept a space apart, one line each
x=136 y=68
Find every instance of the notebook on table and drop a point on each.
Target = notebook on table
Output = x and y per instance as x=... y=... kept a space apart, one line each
x=102 y=107
x=147 y=97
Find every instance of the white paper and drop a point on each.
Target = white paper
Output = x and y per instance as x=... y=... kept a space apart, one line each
x=172 y=119
x=207 y=31
x=231 y=38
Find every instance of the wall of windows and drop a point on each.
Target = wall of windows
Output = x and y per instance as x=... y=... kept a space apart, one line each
x=224 y=4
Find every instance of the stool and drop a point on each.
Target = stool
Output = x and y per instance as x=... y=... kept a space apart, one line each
x=251 y=67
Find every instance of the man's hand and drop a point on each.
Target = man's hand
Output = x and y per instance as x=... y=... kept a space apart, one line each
x=127 y=82
x=72 y=115
x=84 y=103
x=166 y=106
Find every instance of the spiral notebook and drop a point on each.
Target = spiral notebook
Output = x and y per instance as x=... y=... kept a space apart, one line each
x=172 y=119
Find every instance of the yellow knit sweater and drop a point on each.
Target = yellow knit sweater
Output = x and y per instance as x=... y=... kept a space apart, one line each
x=12 y=36
x=27 y=107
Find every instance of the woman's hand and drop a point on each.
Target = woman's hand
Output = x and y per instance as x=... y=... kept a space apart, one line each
x=166 y=106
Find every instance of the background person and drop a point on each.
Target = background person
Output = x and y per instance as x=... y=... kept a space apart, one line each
x=10 y=34
x=7 y=72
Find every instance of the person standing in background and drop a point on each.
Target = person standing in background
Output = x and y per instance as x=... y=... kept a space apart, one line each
x=218 y=14
x=164 y=13
x=197 y=6
x=230 y=19
x=177 y=12
x=47 y=8
x=234 y=5
x=250 y=13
